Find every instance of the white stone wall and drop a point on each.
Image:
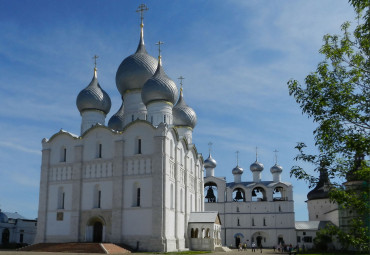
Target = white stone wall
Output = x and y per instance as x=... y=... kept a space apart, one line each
x=113 y=164
x=323 y=209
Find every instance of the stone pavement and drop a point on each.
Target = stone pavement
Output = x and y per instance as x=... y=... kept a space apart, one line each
x=232 y=252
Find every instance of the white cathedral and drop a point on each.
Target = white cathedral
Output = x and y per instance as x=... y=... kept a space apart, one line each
x=134 y=181
x=139 y=180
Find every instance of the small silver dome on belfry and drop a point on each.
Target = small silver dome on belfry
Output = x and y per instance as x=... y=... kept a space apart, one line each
x=136 y=69
x=183 y=115
x=276 y=169
x=159 y=87
x=93 y=97
x=237 y=169
x=256 y=166
x=116 y=121
x=210 y=162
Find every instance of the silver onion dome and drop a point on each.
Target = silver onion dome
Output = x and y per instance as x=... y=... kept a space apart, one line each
x=276 y=169
x=116 y=121
x=136 y=69
x=210 y=162
x=256 y=166
x=93 y=97
x=183 y=115
x=159 y=88
x=237 y=170
x=3 y=217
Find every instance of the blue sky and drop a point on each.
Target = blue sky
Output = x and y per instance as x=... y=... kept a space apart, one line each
x=236 y=57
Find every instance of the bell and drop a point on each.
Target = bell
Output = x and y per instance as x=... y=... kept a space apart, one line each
x=238 y=195
x=254 y=194
x=210 y=195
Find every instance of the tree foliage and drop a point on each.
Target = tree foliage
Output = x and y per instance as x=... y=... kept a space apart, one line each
x=337 y=97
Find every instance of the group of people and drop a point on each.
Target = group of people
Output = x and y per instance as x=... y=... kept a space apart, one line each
x=288 y=248
x=253 y=246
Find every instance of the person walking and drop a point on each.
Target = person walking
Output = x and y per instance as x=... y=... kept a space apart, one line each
x=253 y=247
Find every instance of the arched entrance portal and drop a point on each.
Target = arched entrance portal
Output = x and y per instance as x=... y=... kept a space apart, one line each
x=259 y=241
x=95 y=230
x=237 y=241
x=5 y=236
x=98 y=232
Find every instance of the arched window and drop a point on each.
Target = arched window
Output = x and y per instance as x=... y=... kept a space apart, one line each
x=5 y=236
x=196 y=233
x=207 y=233
x=138 y=145
x=210 y=192
x=97 y=196
x=192 y=233
x=203 y=233
x=278 y=194
x=191 y=202
x=138 y=198
x=258 y=194
x=99 y=150
x=61 y=197
x=181 y=201
x=238 y=195
x=63 y=154
x=171 y=197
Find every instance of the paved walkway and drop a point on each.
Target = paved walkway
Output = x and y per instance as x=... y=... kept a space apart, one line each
x=233 y=252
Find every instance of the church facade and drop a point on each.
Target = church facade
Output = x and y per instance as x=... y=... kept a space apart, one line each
x=134 y=180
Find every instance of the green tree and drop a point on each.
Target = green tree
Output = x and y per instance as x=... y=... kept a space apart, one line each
x=337 y=97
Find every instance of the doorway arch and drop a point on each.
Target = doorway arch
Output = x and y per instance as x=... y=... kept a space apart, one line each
x=5 y=236
x=95 y=230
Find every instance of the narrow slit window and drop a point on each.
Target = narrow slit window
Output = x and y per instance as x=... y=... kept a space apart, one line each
x=100 y=151
x=139 y=146
x=132 y=117
x=164 y=118
x=99 y=199
x=138 y=197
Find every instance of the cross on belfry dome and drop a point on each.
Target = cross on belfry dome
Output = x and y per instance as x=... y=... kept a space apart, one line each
x=275 y=151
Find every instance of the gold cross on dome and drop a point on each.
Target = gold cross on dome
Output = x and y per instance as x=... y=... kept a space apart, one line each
x=95 y=57
x=181 y=78
x=159 y=47
x=142 y=8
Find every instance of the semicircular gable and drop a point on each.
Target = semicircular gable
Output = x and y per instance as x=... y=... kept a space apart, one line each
x=95 y=128
x=135 y=122
x=60 y=134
